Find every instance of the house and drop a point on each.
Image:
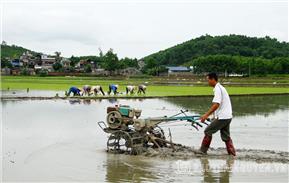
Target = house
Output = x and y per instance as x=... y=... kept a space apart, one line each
x=37 y=67
x=15 y=71
x=47 y=62
x=80 y=65
x=129 y=71
x=178 y=69
x=16 y=63
x=5 y=71
x=236 y=75
x=101 y=72
x=65 y=62
x=27 y=59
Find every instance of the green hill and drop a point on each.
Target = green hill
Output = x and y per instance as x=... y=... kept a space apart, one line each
x=232 y=45
x=13 y=51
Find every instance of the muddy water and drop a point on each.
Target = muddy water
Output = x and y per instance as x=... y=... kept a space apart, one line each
x=31 y=93
x=59 y=140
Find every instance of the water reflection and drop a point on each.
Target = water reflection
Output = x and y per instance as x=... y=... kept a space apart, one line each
x=75 y=101
x=30 y=93
x=221 y=175
x=112 y=100
x=92 y=101
x=125 y=168
x=242 y=105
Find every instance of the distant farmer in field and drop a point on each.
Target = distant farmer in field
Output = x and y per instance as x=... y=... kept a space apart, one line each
x=130 y=89
x=141 y=89
x=112 y=88
x=222 y=110
x=86 y=90
x=97 y=89
x=74 y=90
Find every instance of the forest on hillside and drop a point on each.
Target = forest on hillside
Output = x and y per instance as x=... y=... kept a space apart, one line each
x=13 y=51
x=230 y=53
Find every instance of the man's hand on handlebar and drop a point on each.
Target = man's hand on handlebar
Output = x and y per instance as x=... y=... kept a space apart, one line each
x=204 y=118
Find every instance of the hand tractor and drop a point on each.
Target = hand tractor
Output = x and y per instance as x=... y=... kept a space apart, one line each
x=130 y=134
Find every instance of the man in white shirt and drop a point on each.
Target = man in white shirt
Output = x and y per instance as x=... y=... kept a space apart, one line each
x=222 y=110
x=130 y=89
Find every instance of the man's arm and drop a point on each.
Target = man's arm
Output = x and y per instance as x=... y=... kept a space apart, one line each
x=210 y=111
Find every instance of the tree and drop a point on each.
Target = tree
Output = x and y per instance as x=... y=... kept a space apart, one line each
x=57 y=56
x=149 y=64
x=87 y=68
x=57 y=66
x=155 y=71
x=110 y=61
x=74 y=60
x=24 y=71
x=13 y=52
x=42 y=72
x=5 y=63
x=240 y=65
x=229 y=45
x=4 y=43
x=128 y=62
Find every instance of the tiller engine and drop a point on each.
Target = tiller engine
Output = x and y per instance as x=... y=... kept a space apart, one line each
x=130 y=134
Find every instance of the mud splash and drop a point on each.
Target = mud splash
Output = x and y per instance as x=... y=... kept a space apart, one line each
x=184 y=152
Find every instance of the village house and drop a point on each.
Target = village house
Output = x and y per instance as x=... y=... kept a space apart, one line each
x=129 y=71
x=101 y=72
x=5 y=71
x=27 y=59
x=15 y=71
x=46 y=63
x=80 y=66
x=16 y=63
x=179 y=70
x=65 y=62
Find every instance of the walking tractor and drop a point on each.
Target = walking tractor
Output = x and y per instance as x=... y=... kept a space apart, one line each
x=130 y=134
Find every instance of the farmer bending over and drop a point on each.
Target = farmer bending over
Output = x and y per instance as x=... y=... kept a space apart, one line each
x=222 y=110
x=74 y=90
x=141 y=89
x=97 y=89
x=130 y=89
x=86 y=90
x=112 y=88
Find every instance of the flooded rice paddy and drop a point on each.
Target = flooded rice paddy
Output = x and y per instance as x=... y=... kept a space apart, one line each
x=59 y=140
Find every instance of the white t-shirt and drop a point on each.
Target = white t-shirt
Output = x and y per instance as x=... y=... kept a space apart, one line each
x=221 y=97
x=130 y=87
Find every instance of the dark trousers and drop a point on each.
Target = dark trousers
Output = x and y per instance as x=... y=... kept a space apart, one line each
x=219 y=124
x=141 y=90
x=112 y=90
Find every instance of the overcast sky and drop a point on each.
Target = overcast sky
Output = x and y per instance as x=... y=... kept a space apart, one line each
x=134 y=28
